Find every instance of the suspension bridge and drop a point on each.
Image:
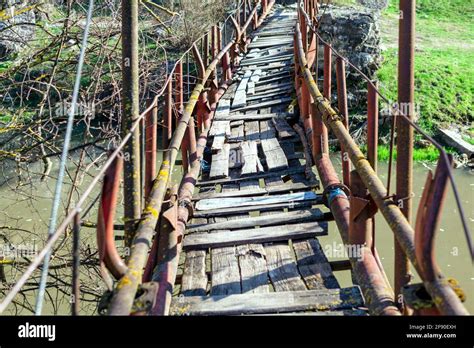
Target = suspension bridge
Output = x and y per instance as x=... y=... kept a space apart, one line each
x=239 y=234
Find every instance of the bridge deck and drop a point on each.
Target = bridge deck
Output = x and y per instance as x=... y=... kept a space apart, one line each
x=252 y=246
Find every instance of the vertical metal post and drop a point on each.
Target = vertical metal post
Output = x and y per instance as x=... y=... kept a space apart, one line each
x=168 y=114
x=406 y=86
x=342 y=105
x=151 y=127
x=372 y=125
x=180 y=106
x=130 y=112
x=76 y=263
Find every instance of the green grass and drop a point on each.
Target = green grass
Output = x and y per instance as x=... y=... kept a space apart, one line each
x=421 y=154
x=444 y=82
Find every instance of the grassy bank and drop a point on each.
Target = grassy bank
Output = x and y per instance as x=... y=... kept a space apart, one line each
x=444 y=82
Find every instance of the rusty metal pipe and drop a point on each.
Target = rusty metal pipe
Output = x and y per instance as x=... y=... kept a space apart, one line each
x=342 y=106
x=398 y=223
x=122 y=300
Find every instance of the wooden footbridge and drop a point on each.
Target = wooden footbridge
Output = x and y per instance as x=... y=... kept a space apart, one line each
x=239 y=234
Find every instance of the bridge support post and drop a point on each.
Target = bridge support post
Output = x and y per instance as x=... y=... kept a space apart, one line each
x=130 y=113
x=151 y=122
x=342 y=105
x=406 y=87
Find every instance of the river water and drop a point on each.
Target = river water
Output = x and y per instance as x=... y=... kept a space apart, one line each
x=25 y=208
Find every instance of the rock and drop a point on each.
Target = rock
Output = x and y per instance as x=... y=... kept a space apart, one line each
x=19 y=32
x=454 y=139
x=374 y=4
x=355 y=33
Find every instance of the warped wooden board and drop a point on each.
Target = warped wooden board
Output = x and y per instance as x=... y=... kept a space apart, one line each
x=253 y=268
x=282 y=268
x=260 y=208
x=274 y=86
x=221 y=133
x=270 y=94
x=254 y=235
x=274 y=78
x=225 y=272
x=252 y=130
x=313 y=265
x=241 y=93
x=283 y=128
x=289 y=171
x=275 y=302
x=194 y=279
x=266 y=59
x=220 y=163
x=251 y=162
x=287 y=187
x=213 y=203
x=266 y=220
x=250 y=89
x=267 y=129
x=274 y=154
x=237 y=134
x=256 y=117
x=256 y=76
x=273 y=102
x=223 y=109
x=268 y=66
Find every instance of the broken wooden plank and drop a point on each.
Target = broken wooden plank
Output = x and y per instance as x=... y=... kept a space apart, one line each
x=241 y=93
x=282 y=268
x=220 y=130
x=213 y=203
x=313 y=265
x=255 y=117
x=194 y=279
x=267 y=130
x=251 y=162
x=267 y=220
x=289 y=171
x=225 y=272
x=274 y=154
x=273 y=102
x=252 y=130
x=237 y=134
x=283 y=128
x=223 y=109
x=220 y=163
x=253 y=268
x=254 y=235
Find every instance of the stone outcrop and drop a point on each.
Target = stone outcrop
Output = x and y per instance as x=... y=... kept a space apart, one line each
x=15 y=26
x=355 y=33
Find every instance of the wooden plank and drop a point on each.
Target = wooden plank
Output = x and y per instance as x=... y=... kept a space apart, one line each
x=237 y=134
x=313 y=265
x=253 y=268
x=274 y=154
x=241 y=93
x=194 y=280
x=221 y=131
x=282 y=268
x=254 y=235
x=266 y=59
x=289 y=171
x=287 y=187
x=251 y=162
x=252 y=130
x=284 y=217
x=220 y=163
x=275 y=302
x=213 y=203
x=267 y=130
x=283 y=128
x=225 y=272
x=276 y=101
x=223 y=109
x=269 y=94
x=255 y=117
x=261 y=208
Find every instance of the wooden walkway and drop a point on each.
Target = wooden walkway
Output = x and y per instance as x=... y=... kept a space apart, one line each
x=252 y=246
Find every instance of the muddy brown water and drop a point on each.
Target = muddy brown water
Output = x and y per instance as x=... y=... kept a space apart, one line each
x=26 y=206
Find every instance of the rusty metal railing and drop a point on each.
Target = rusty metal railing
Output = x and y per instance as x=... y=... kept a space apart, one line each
x=155 y=185
x=417 y=245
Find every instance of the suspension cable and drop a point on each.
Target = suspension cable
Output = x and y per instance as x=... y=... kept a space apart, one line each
x=62 y=164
